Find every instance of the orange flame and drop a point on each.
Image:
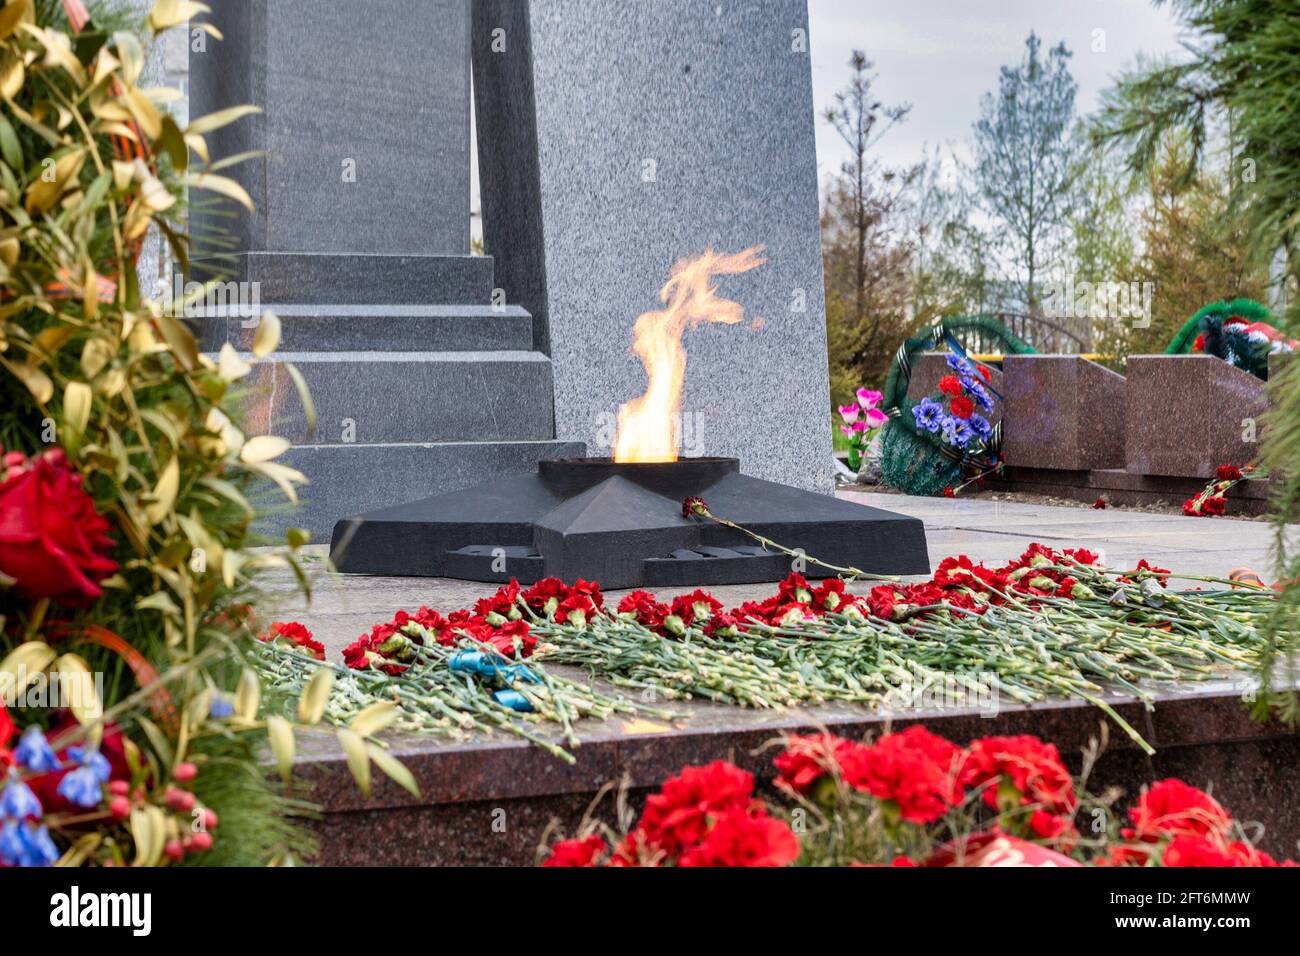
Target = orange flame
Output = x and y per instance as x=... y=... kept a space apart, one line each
x=648 y=426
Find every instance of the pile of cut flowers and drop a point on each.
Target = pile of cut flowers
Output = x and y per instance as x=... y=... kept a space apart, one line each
x=913 y=799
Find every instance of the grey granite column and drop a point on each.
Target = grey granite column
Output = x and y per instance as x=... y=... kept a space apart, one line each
x=617 y=138
x=360 y=243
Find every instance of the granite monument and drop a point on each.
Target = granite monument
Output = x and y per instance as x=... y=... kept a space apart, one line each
x=618 y=138
x=423 y=382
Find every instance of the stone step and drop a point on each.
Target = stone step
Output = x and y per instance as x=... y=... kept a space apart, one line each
x=351 y=479
x=276 y=277
x=382 y=397
x=373 y=328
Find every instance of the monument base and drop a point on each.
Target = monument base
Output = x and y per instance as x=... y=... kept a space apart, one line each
x=623 y=525
x=1202 y=734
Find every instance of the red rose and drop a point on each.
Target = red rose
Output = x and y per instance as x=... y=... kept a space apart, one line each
x=1229 y=473
x=742 y=838
x=963 y=407
x=915 y=770
x=52 y=541
x=576 y=852
x=950 y=385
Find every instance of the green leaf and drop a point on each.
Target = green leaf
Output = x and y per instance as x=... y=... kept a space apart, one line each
x=354 y=748
x=311 y=705
x=280 y=734
x=10 y=148
x=394 y=769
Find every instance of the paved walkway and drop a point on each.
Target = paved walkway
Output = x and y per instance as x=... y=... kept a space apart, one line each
x=344 y=607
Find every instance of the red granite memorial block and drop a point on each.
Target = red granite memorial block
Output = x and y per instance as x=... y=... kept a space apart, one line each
x=932 y=366
x=1188 y=414
x=1062 y=412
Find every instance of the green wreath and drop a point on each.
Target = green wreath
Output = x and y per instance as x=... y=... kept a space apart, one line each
x=1229 y=343
x=913 y=460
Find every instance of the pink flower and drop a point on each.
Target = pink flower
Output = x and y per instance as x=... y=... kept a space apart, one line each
x=847 y=430
x=869 y=399
x=850 y=413
x=875 y=418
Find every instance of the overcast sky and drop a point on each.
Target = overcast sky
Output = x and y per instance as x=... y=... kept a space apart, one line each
x=943 y=55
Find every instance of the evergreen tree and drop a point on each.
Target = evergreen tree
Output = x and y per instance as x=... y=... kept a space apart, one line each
x=1023 y=167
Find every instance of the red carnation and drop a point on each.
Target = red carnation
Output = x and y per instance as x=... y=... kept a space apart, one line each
x=296 y=636
x=1100 y=504
x=742 y=838
x=1172 y=806
x=52 y=541
x=545 y=596
x=645 y=609
x=883 y=602
x=680 y=814
x=1229 y=473
x=1026 y=765
x=1199 y=344
x=504 y=602
x=1186 y=850
x=511 y=639
x=831 y=596
x=696 y=608
x=985 y=374
x=576 y=852
x=807 y=760
x=963 y=407
x=915 y=770
x=795 y=590
x=950 y=385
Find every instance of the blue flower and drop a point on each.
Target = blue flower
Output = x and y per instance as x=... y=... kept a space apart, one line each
x=22 y=844
x=956 y=431
x=221 y=707
x=960 y=365
x=17 y=800
x=928 y=414
x=34 y=752
x=84 y=786
x=93 y=760
x=981 y=426
x=980 y=394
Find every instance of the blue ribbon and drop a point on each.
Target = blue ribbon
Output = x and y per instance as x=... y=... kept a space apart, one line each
x=480 y=664
x=514 y=700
